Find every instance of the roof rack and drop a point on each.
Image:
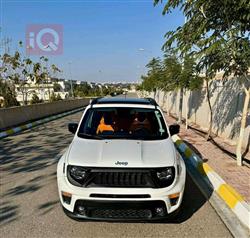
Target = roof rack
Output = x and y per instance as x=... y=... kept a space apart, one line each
x=152 y=101
x=95 y=100
x=116 y=100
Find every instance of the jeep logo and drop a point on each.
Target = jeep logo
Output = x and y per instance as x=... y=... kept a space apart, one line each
x=121 y=163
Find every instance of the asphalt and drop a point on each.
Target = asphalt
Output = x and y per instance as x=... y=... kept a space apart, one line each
x=30 y=207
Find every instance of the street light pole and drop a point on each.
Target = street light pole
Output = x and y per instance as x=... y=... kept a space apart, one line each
x=70 y=76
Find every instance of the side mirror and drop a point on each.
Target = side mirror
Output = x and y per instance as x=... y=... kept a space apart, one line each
x=72 y=127
x=174 y=129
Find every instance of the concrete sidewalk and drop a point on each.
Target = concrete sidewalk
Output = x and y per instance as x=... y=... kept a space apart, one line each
x=222 y=163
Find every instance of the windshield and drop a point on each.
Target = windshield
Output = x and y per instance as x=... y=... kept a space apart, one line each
x=123 y=123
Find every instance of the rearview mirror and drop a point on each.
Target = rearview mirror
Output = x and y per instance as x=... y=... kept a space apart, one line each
x=174 y=129
x=72 y=127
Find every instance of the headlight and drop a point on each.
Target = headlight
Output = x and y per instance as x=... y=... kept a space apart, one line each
x=77 y=175
x=166 y=176
x=178 y=159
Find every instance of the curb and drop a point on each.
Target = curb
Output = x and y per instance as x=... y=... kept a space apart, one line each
x=23 y=127
x=232 y=198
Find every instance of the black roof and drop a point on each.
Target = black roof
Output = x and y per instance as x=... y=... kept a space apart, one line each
x=120 y=100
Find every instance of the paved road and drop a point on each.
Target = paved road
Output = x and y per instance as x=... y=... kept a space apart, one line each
x=29 y=204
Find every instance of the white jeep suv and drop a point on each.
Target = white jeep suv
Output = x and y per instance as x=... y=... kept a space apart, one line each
x=122 y=163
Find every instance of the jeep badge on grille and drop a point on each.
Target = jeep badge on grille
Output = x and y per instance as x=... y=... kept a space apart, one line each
x=121 y=163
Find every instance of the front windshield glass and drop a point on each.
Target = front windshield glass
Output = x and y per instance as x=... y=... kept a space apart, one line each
x=123 y=123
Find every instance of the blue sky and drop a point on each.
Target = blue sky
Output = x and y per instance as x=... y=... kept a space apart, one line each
x=101 y=38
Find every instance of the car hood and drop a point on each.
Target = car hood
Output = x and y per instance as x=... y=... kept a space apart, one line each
x=121 y=153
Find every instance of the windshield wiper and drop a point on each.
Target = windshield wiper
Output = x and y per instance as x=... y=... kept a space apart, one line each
x=84 y=135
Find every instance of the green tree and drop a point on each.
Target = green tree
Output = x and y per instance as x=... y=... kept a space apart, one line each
x=35 y=99
x=82 y=89
x=36 y=72
x=171 y=77
x=172 y=74
x=67 y=86
x=53 y=97
x=153 y=79
x=18 y=70
x=25 y=69
x=58 y=97
x=10 y=98
x=180 y=75
x=189 y=80
x=45 y=75
x=57 y=87
x=8 y=94
x=217 y=35
x=55 y=70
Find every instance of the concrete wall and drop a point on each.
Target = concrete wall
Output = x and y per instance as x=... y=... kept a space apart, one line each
x=227 y=103
x=13 y=116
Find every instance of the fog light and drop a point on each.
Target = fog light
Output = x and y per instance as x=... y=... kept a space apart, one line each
x=81 y=210
x=159 y=211
x=66 y=197
x=174 y=198
x=174 y=201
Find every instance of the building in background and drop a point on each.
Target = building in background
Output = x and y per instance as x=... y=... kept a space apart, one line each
x=44 y=91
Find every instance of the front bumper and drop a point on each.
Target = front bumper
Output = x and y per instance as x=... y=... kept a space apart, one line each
x=121 y=203
x=118 y=210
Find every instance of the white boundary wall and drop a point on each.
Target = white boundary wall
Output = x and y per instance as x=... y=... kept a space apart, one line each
x=13 y=116
x=227 y=103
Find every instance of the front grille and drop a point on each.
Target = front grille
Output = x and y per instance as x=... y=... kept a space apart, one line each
x=121 y=179
x=121 y=213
